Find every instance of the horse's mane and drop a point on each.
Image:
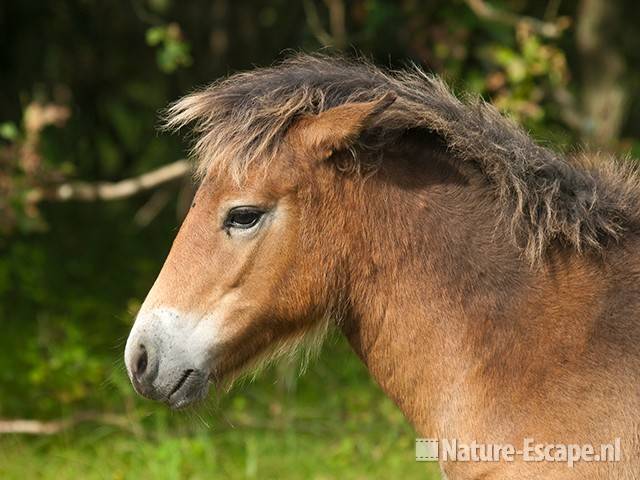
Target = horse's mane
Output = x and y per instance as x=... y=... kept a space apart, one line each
x=584 y=203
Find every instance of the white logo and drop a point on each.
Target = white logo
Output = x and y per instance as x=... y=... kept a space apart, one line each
x=433 y=450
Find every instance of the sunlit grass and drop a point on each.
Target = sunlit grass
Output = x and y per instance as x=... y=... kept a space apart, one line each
x=333 y=422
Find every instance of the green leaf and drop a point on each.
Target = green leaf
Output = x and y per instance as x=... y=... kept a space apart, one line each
x=9 y=131
x=156 y=35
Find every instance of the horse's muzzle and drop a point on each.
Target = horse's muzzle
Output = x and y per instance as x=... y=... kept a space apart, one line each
x=164 y=360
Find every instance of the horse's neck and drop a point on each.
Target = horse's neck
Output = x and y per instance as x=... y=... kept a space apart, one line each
x=436 y=269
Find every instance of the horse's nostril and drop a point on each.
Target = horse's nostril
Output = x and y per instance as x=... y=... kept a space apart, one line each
x=141 y=362
x=143 y=366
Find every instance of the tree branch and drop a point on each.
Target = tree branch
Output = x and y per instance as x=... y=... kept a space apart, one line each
x=86 y=191
x=51 y=427
x=337 y=22
x=338 y=36
x=604 y=96
x=547 y=29
x=315 y=25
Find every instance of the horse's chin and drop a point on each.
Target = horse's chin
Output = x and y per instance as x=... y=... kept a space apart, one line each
x=233 y=367
x=191 y=389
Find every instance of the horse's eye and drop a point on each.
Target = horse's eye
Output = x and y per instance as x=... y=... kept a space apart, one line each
x=243 y=217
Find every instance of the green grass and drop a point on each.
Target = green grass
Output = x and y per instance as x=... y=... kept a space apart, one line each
x=331 y=423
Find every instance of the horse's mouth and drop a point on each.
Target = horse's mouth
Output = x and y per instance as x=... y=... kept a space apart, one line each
x=191 y=387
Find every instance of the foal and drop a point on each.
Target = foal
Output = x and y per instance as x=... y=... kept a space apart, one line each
x=490 y=286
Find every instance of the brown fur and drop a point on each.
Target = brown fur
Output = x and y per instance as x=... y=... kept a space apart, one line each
x=412 y=254
x=244 y=119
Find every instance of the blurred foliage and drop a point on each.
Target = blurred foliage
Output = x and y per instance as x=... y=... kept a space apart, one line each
x=174 y=51
x=82 y=83
x=329 y=424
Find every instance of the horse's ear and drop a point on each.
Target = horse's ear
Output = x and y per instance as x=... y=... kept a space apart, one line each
x=339 y=127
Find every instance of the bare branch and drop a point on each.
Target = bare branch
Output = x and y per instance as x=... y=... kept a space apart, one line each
x=337 y=22
x=547 y=29
x=37 y=427
x=152 y=208
x=86 y=191
x=604 y=94
x=313 y=20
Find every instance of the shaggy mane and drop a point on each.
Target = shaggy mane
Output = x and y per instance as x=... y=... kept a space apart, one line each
x=582 y=203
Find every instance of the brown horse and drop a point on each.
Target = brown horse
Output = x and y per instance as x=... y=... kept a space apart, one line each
x=491 y=286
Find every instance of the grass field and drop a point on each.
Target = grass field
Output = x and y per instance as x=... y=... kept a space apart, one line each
x=330 y=423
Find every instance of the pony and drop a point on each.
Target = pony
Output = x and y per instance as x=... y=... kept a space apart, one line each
x=490 y=285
